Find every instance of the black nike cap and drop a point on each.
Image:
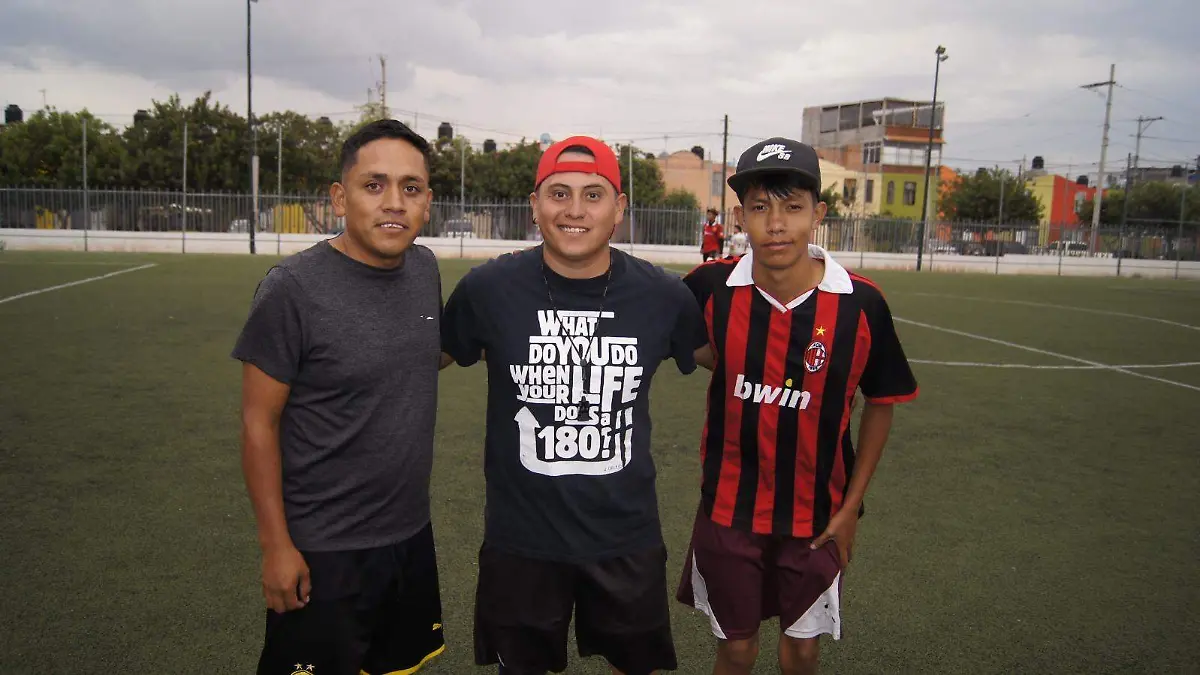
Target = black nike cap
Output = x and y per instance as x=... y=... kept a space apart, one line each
x=777 y=155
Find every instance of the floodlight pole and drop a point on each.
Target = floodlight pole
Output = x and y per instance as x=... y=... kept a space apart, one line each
x=940 y=52
x=253 y=135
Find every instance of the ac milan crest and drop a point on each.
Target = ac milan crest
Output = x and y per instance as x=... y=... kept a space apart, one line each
x=815 y=357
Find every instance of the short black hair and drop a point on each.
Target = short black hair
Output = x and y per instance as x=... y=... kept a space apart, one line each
x=382 y=129
x=779 y=186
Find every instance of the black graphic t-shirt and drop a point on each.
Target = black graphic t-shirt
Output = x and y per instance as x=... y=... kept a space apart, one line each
x=567 y=456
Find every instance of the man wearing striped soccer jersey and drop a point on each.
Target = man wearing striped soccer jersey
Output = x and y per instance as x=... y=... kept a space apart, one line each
x=792 y=337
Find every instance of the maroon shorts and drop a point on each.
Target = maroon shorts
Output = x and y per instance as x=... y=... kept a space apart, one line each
x=739 y=579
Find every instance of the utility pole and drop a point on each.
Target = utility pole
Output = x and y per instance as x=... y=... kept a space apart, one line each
x=1099 y=200
x=1143 y=124
x=383 y=86
x=724 y=167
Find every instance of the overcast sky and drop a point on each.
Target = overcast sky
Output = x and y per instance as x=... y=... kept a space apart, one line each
x=638 y=69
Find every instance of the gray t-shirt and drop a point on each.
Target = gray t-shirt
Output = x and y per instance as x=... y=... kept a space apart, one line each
x=359 y=347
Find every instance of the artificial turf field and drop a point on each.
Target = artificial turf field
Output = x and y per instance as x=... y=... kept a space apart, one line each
x=1022 y=520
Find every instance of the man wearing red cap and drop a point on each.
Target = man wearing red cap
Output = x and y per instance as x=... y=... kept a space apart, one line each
x=573 y=331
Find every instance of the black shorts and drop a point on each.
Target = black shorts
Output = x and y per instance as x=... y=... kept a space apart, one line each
x=371 y=611
x=523 y=608
x=709 y=255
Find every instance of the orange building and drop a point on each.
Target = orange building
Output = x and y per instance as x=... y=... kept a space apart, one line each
x=1061 y=198
x=688 y=170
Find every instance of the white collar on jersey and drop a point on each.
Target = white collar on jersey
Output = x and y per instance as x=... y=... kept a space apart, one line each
x=836 y=279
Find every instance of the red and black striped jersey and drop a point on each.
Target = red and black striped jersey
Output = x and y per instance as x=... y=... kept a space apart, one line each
x=776 y=450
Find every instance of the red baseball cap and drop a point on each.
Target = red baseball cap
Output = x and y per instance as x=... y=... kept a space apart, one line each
x=605 y=164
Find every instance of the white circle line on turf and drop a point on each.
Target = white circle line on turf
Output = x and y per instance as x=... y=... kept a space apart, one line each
x=1031 y=366
x=88 y=280
x=1089 y=310
x=1047 y=352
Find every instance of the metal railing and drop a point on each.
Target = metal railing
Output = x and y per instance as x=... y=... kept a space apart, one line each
x=160 y=211
x=165 y=211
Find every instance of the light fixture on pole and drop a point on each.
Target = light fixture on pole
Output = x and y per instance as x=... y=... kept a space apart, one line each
x=937 y=69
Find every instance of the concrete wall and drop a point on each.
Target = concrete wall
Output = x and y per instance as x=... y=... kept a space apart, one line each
x=284 y=244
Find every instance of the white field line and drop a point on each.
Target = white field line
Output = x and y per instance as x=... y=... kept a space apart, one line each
x=89 y=280
x=1028 y=303
x=1030 y=366
x=39 y=263
x=1035 y=350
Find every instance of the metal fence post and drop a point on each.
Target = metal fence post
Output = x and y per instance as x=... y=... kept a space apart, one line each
x=86 y=217
x=1179 y=239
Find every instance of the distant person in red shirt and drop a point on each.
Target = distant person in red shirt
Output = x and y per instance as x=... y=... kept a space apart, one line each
x=714 y=237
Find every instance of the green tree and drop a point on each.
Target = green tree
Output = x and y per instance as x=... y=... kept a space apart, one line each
x=311 y=151
x=46 y=150
x=977 y=197
x=447 y=156
x=217 y=149
x=505 y=175
x=648 y=187
x=681 y=199
x=1150 y=201
x=833 y=202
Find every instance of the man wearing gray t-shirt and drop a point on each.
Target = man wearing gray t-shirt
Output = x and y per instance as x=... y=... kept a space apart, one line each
x=339 y=397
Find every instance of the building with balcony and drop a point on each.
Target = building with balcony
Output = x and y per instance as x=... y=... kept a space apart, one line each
x=883 y=141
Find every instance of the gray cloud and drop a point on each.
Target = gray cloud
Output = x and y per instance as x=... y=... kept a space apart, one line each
x=672 y=66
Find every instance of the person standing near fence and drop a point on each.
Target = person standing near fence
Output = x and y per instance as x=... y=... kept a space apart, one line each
x=572 y=332
x=712 y=238
x=739 y=243
x=339 y=394
x=794 y=336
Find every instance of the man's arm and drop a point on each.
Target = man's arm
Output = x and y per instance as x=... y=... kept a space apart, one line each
x=705 y=358
x=286 y=581
x=873 y=432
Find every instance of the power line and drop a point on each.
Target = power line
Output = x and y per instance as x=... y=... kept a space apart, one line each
x=1172 y=140
x=1159 y=98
